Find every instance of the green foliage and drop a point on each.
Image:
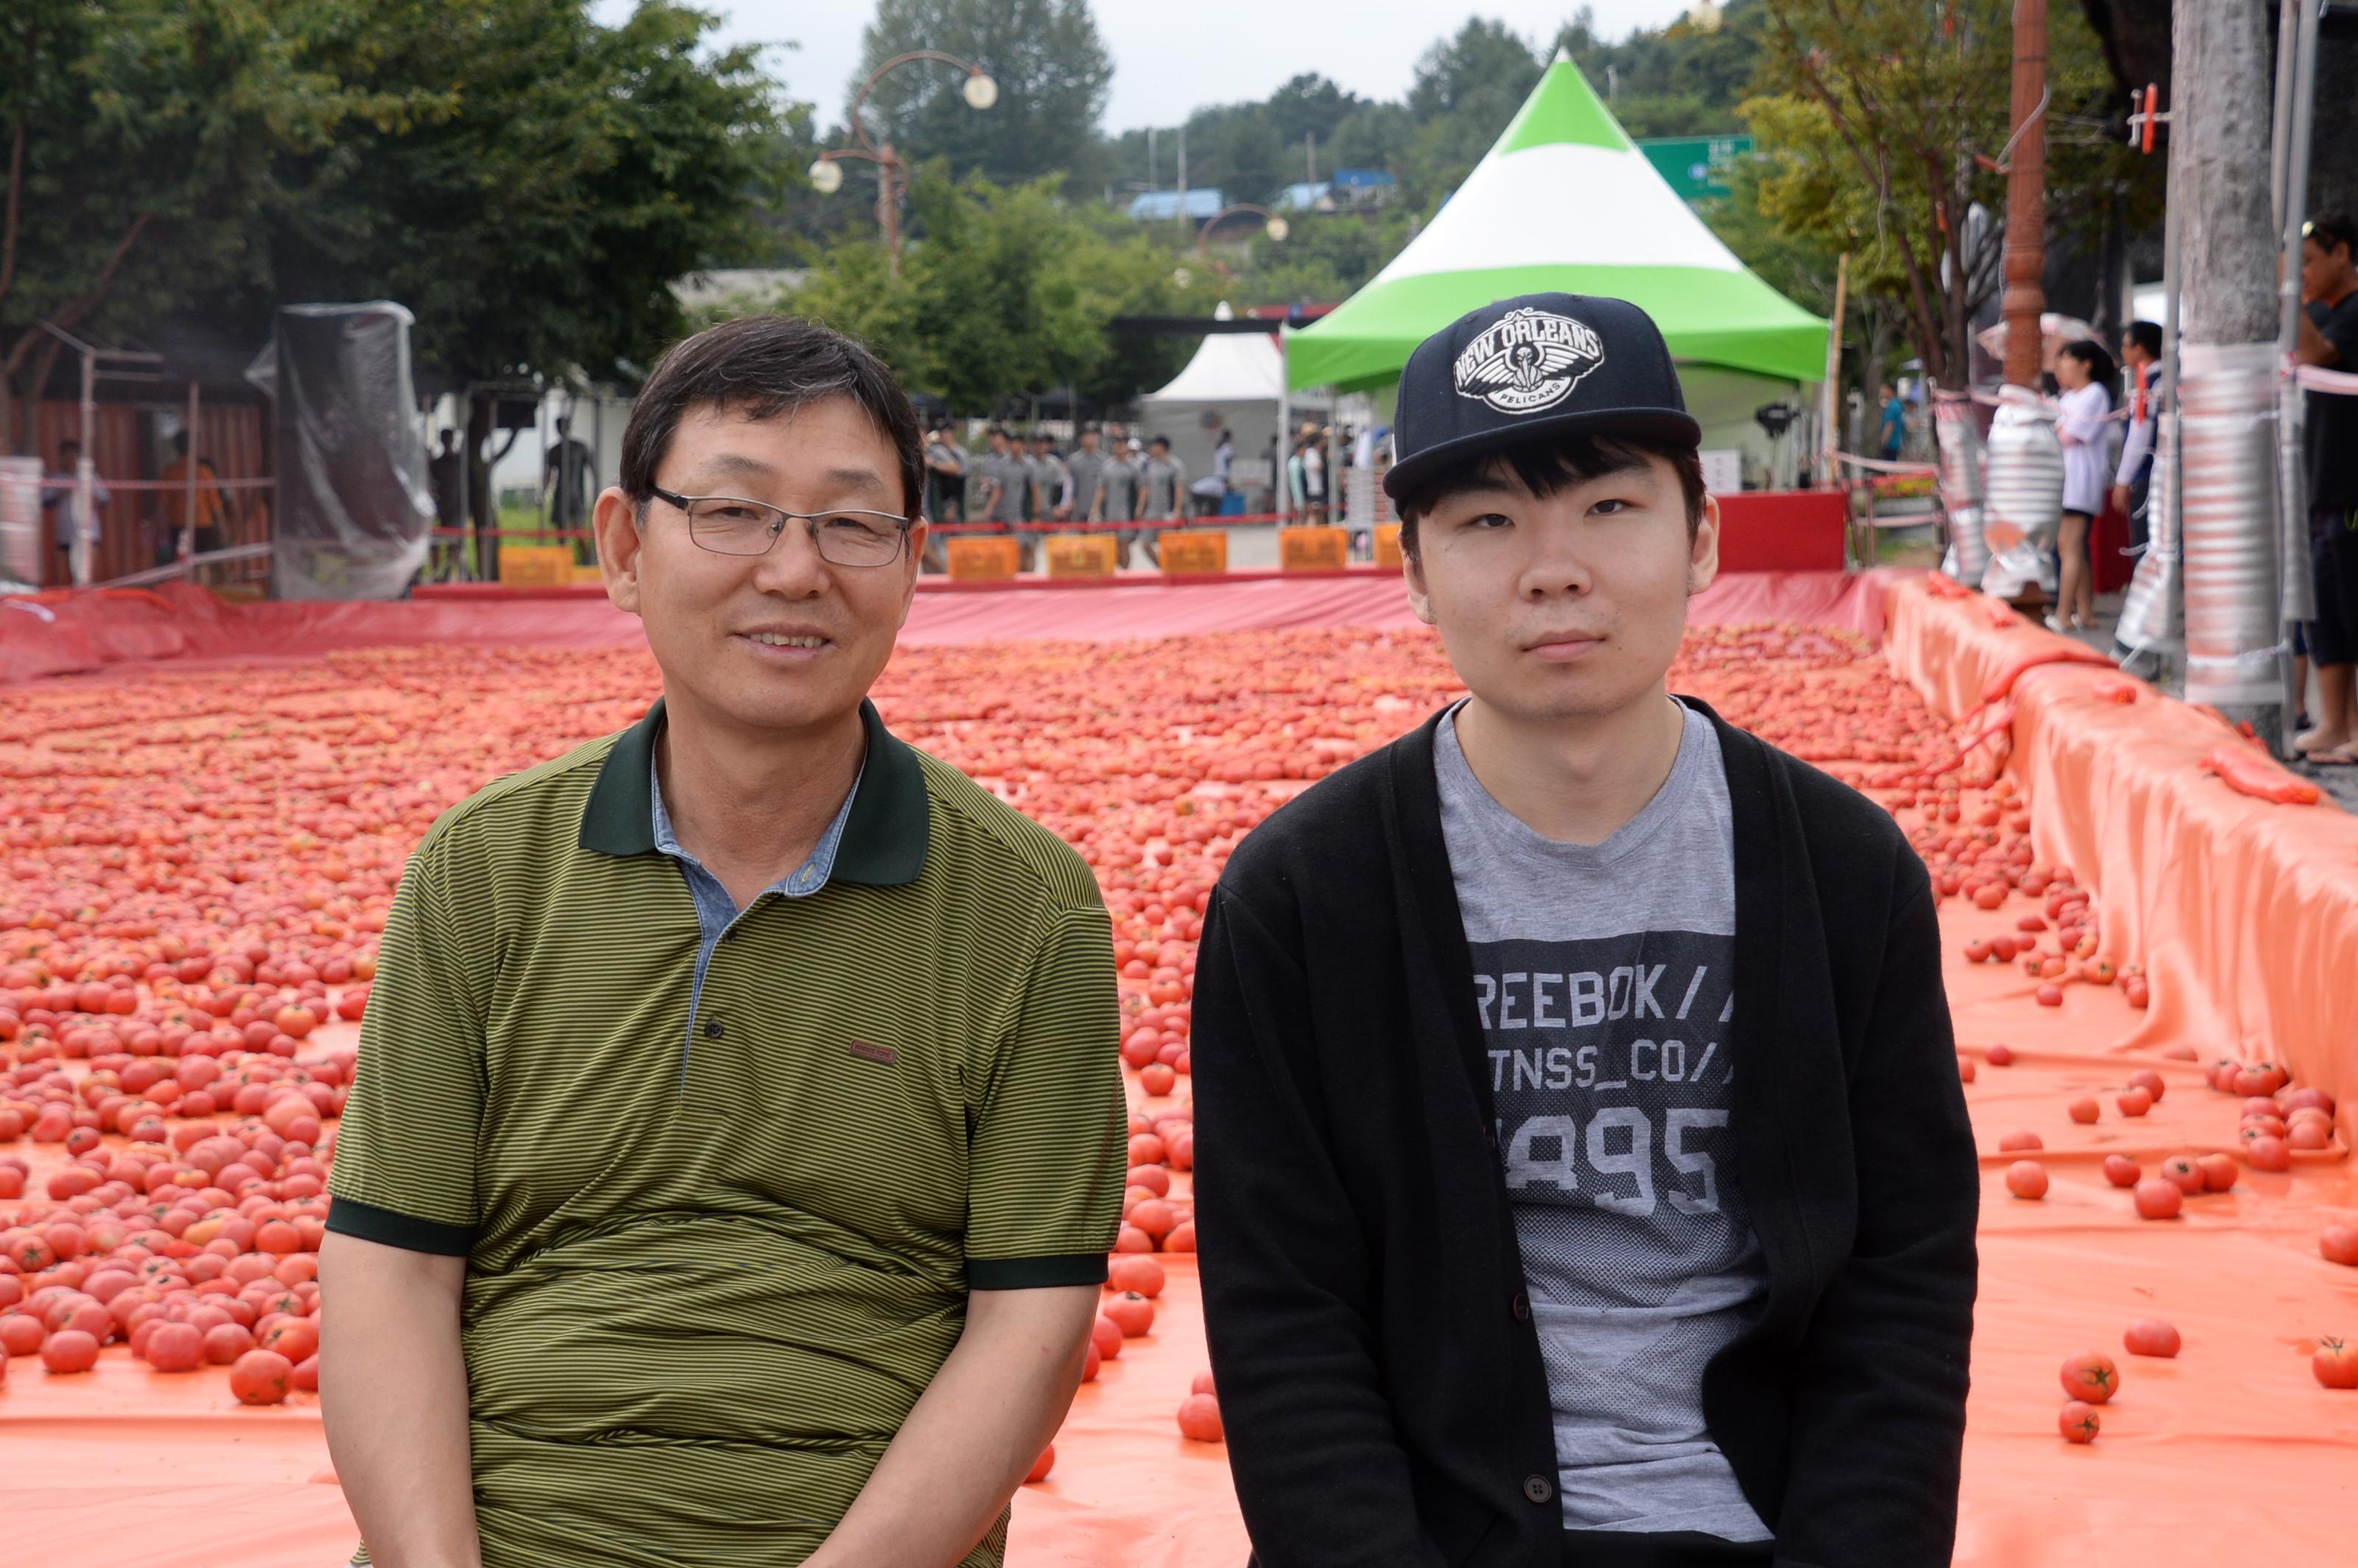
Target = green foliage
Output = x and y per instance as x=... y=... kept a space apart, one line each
x=1677 y=80
x=1007 y=292
x=1053 y=74
x=535 y=223
x=138 y=141
x=1868 y=126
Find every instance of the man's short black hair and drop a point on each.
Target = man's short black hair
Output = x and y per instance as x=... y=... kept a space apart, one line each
x=763 y=366
x=1158 y=440
x=1547 y=466
x=2334 y=231
x=2146 y=335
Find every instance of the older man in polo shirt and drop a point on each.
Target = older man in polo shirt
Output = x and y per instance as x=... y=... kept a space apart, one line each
x=739 y=1135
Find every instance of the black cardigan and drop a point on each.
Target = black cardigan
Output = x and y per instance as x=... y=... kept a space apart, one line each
x=1381 y=1386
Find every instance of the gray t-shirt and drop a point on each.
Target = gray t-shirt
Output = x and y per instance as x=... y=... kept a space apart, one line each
x=1165 y=478
x=1013 y=475
x=1121 y=490
x=1603 y=977
x=1085 y=467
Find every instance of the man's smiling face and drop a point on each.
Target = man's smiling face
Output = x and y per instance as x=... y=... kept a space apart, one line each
x=786 y=639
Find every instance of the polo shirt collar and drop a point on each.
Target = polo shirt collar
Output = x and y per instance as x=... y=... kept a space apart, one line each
x=884 y=838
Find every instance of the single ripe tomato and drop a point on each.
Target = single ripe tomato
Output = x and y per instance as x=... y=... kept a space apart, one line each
x=2151 y=1337
x=261 y=1377
x=2018 y=1142
x=175 y=1347
x=2026 y=1179
x=2149 y=1080
x=1091 y=1360
x=1201 y=1385
x=2134 y=1101
x=1135 y=1272
x=1199 y=1419
x=2339 y=1244
x=2086 y=1110
x=1999 y=1056
x=2079 y=1422
x=1131 y=1313
x=2122 y=1170
x=2335 y=1363
x=1042 y=1466
x=2267 y=1153
x=2181 y=1170
x=227 y=1342
x=2219 y=1172
x=69 y=1350
x=2091 y=1376
x=2158 y=1197
x=1106 y=1335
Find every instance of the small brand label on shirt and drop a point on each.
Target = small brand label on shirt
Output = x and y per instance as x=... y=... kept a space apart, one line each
x=867 y=1053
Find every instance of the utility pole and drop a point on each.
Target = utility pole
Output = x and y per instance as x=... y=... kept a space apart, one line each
x=2235 y=647
x=2026 y=197
x=2024 y=503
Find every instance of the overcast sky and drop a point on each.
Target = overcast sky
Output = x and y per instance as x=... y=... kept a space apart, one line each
x=1226 y=51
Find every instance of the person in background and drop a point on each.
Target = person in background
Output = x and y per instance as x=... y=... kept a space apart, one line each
x=2141 y=353
x=1892 y=434
x=1085 y=476
x=1582 y=1171
x=171 y=505
x=2085 y=371
x=60 y=497
x=2329 y=339
x=1044 y=472
x=945 y=492
x=565 y=470
x=447 y=470
x=1117 y=496
x=1313 y=474
x=1211 y=491
x=1004 y=481
x=1164 y=482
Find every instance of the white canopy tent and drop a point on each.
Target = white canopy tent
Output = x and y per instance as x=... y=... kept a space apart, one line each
x=1236 y=382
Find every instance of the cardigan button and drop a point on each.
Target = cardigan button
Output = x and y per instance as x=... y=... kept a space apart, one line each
x=1538 y=1488
x=1521 y=1307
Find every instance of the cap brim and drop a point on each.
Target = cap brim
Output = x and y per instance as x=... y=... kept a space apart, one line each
x=1672 y=425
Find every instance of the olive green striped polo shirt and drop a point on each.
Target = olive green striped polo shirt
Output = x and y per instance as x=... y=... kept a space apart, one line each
x=704 y=1289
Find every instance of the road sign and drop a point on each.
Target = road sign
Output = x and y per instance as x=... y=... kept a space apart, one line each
x=1695 y=166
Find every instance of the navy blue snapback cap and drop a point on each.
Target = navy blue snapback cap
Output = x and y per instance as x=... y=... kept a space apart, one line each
x=1535 y=366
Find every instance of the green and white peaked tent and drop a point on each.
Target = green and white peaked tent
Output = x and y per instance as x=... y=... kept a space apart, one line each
x=1565 y=201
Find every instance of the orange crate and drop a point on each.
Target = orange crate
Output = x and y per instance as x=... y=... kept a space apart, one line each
x=1387 y=544
x=1195 y=554
x=1313 y=549
x=536 y=565
x=983 y=560
x=1081 y=555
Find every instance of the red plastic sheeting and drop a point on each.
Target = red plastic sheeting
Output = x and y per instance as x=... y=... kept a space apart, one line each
x=2245 y=912
x=77 y=634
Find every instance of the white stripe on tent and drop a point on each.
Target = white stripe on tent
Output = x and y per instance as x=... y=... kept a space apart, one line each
x=1557 y=203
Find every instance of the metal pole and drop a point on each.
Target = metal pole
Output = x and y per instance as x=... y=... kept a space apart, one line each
x=85 y=472
x=1827 y=439
x=2297 y=86
x=2026 y=197
x=1281 y=484
x=888 y=208
x=1183 y=168
x=188 y=475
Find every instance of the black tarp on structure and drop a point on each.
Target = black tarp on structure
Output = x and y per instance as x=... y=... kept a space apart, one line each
x=354 y=504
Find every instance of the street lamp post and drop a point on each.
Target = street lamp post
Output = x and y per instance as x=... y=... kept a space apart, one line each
x=826 y=174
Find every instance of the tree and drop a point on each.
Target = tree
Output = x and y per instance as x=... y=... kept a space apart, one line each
x=1006 y=293
x=1885 y=129
x=1464 y=92
x=141 y=140
x=1053 y=73
x=535 y=217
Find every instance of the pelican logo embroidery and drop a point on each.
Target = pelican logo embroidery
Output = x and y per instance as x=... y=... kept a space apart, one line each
x=881 y=1053
x=1528 y=360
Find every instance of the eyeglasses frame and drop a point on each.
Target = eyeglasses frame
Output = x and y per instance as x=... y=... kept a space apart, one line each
x=684 y=501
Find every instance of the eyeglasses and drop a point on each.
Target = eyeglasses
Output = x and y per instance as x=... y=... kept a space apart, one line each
x=732 y=525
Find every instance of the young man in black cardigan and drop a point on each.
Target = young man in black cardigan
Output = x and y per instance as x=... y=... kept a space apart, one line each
x=1583 y=1177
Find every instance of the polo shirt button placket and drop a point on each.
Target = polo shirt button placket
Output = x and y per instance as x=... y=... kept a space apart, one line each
x=712 y=1028
x=1539 y=1489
